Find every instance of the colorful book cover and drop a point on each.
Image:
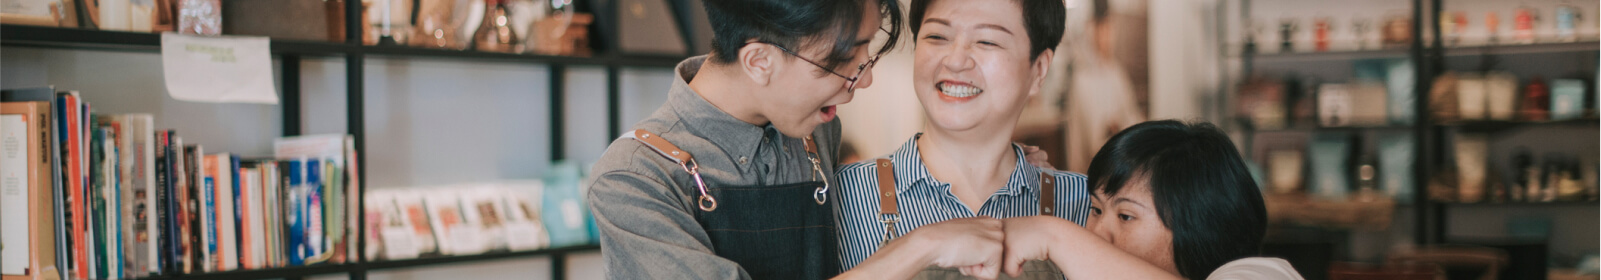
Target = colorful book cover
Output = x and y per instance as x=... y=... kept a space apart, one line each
x=97 y=203
x=246 y=252
x=208 y=213
x=160 y=192
x=74 y=187
x=227 y=219
x=314 y=231
x=296 y=217
x=237 y=208
x=16 y=190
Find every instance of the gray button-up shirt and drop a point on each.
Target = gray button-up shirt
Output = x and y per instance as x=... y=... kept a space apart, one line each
x=644 y=204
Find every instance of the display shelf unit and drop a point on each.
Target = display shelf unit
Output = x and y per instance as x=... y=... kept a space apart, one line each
x=1428 y=55
x=289 y=54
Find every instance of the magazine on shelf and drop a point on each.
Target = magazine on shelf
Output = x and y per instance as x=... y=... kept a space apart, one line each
x=338 y=188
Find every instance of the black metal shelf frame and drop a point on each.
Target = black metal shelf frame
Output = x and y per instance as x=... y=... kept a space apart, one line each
x=290 y=54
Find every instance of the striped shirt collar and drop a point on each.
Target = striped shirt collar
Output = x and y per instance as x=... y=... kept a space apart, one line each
x=910 y=172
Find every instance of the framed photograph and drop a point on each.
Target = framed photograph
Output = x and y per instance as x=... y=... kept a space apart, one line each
x=55 y=13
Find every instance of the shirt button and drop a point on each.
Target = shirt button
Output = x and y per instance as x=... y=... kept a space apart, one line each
x=743 y=160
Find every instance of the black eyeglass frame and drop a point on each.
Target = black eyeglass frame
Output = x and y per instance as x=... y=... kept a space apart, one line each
x=849 y=80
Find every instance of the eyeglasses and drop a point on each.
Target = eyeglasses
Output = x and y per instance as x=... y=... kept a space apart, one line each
x=850 y=81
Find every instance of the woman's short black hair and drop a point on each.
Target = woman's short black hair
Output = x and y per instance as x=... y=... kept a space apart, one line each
x=1044 y=21
x=792 y=23
x=1199 y=183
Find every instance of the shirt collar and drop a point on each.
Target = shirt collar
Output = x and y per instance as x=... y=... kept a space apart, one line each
x=703 y=119
x=910 y=172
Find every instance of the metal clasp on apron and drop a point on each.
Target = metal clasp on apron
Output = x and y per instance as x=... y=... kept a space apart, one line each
x=821 y=195
x=705 y=201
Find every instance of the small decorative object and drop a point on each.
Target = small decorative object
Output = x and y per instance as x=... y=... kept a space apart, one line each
x=1453 y=24
x=1360 y=28
x=1443 y=104
x=1395 y=160
x=565 y=33
x=1471 y=97
x=495 y=34
x=434 y=27
x=1321 y=27
x=1502 y=90
x=1330 y=166
x=200 y=17
x=1334 y=105
x=1492 y=27
x=1523 y=25
x=1567 y=18
x=1261 y=103
x=1523 y=173
x=1536 y=101
x=1398 y=31
x=1284 y=170
x=34 y=12
x=1567 y=99
x=1287 y=29
x=1399 y=81
x=1471 y=163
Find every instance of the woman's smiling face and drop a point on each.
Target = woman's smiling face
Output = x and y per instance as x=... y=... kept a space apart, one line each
x=973 y=67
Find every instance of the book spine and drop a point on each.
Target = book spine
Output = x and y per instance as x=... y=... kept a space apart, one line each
x=208 y=213
x=173 y=200
x=74 y=187
x=297 y=217
x=45 y=231
x=238 y=213
x=97 y=217
x=246 y=253
x=227 y=218
x=16 y=191
x=314 y=232
x=149 y=252
x=161 y=193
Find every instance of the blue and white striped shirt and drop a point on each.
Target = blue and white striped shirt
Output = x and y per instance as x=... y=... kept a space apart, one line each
x=923 y=200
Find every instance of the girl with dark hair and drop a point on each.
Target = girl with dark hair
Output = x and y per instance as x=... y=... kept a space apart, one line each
x=1169 y=200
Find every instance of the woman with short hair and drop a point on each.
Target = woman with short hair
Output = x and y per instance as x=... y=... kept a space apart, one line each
x=1169 y=200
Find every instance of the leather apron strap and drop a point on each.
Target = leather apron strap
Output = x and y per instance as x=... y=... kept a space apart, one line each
x=886 y=199
x=888 y=209
x=666 y=149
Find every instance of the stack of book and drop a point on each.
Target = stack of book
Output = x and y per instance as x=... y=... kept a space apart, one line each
x=90 y=196
x=454 y=220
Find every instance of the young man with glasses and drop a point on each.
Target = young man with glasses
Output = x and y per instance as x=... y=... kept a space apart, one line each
x=733 y=177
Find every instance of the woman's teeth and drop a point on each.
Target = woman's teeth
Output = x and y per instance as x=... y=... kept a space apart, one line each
x=958 y=91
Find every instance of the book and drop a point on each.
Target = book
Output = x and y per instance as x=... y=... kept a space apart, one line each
x=137 y=156
x=339 y=190
x=271 y=215
x=257 y=222
x=194 y=243
x=55 y=177
x=77 y=199
x=166 y=202
x=208 y=211
x=295 y=171
x=237 y=212
x=227 y=232
x=14 y=191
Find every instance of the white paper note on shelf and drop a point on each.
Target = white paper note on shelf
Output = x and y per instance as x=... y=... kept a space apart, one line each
x=230 y=69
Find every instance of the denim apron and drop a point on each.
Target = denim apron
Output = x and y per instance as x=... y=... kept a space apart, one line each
x=772 y=231
x=889 y=215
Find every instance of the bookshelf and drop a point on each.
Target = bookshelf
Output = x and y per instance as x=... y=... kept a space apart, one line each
x=289 y=53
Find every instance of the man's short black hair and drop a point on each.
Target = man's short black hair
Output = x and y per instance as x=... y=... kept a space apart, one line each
x=1200 y=185
x=1044 y=21
x=793 y=23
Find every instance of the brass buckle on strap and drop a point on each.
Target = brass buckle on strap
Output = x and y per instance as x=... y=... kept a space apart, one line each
x=889 y=221
x=706 y=202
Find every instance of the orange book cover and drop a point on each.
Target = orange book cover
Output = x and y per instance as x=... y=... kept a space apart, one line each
x=74 y=184
x=246 y=254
